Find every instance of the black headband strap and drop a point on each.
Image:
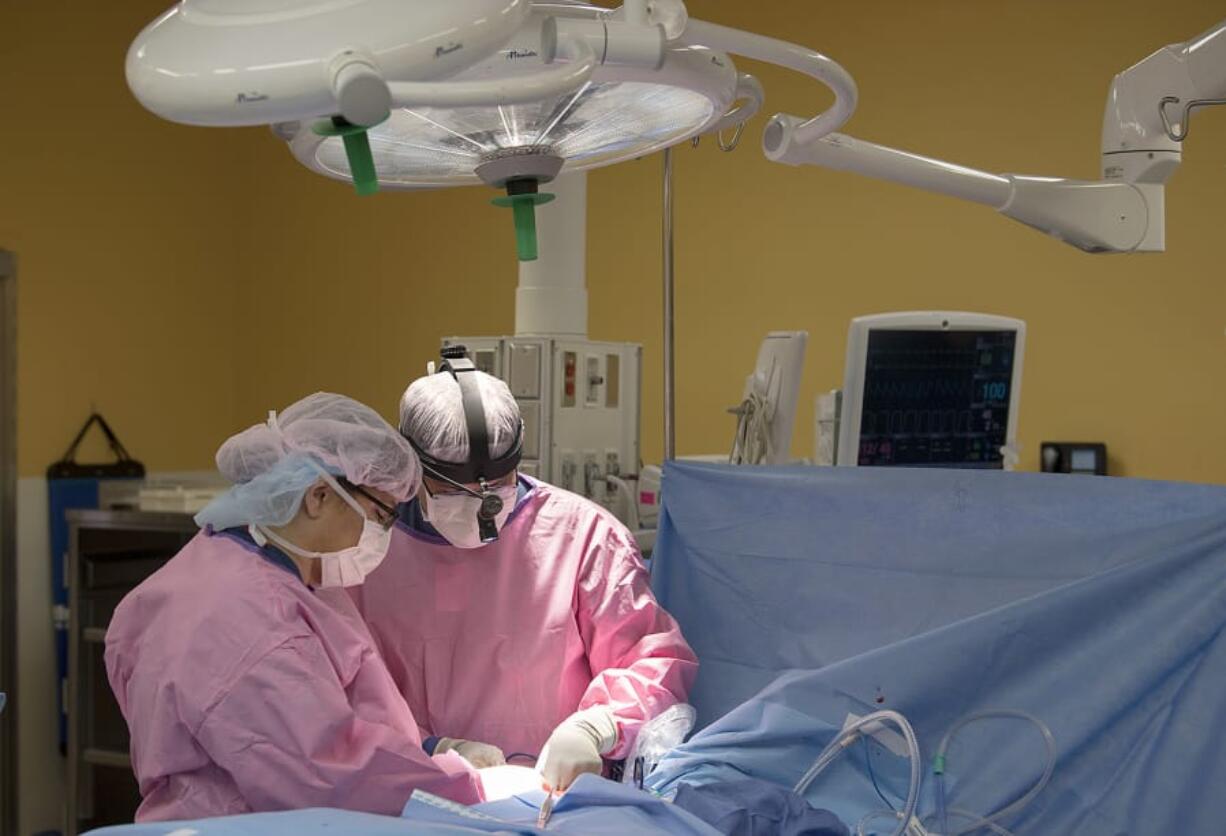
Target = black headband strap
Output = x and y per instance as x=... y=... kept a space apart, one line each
x=464 y=373
x=479 y=466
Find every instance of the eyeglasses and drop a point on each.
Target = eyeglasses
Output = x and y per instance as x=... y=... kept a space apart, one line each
x=463 y=490
x=386 y=514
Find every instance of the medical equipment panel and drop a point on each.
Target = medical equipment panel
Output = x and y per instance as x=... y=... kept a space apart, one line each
x=767 y=412
x=1080 y=457
x=580 y=403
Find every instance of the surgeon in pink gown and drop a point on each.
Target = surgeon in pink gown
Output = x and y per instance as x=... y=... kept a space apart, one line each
x=247 y=679
x=544 y=643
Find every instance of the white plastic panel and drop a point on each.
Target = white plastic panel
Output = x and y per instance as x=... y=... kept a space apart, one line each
x=530 y=411
x=591 y=427
x=260 y=62
x=525 y=365
x=571 y=437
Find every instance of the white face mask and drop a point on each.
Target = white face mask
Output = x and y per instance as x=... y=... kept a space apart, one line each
x=347 y=567
x=455 y=515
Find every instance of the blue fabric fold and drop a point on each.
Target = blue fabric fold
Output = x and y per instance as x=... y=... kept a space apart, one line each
x=1097 y=605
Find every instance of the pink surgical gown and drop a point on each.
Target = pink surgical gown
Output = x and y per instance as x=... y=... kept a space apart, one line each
x=500 y=644
x=247 y=691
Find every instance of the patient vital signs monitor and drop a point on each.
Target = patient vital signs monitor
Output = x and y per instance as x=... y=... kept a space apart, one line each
x=931 y=389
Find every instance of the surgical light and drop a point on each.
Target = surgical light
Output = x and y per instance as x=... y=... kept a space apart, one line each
x=512 y=92
x=434 y=93
x=621 y=112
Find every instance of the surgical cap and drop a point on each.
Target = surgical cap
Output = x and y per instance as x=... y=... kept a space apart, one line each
x=274 y=463
x=432 y=414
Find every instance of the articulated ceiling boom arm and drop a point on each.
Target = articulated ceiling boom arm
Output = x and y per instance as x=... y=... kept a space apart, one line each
x=1124 y=212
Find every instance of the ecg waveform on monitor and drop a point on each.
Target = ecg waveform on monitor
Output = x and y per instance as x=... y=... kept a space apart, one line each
x=914 y=389
x=936 y=398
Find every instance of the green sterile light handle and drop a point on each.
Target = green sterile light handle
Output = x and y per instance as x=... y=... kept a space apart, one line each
x=361 y=163
x=525 y=230
x=357 y=151
x=523 y=208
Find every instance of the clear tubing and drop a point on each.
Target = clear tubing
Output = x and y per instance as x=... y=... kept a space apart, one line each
x=977 y=822
x=852 y=733
x=942 y=812
x=1048 y=741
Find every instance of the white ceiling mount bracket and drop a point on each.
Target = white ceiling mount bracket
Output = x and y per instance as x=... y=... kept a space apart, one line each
x=793 y=57
x=749 y=97
x=1094 y=217
x=635 y=12
x=671 y=15
x=360 y=90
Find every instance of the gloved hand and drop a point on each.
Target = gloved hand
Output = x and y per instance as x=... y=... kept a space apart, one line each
x=480 y=755
x=575 y=747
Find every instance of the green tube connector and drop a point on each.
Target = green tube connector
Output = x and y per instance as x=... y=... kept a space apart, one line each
x=357 y=151
x=523 y=207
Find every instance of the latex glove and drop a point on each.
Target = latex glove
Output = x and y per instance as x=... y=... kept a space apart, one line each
x=480 y=755
x=575 y=747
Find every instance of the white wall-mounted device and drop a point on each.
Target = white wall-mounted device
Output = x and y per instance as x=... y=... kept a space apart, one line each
x=766 y=415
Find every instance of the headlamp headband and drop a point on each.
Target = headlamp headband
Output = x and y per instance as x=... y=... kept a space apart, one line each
x=479 y=467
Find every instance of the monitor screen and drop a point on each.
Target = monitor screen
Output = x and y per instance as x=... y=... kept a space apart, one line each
x=936 y=398
x=1084 y=461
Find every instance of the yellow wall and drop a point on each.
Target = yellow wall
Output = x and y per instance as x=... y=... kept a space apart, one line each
x=125 y=229
x=250 y=282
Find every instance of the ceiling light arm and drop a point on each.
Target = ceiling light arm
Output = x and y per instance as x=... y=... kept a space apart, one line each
x=575 y=68
x=747 y=102
x=1140 y=141
x=635 y=11
x=1125 y=212
x=1093 y=216
x=801 y=59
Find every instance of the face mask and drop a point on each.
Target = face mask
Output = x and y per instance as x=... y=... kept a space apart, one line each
x=454 y=516
x=347 y=567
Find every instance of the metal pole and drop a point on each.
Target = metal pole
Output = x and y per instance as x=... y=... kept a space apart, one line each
x=670 y=385
x=8 y=542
